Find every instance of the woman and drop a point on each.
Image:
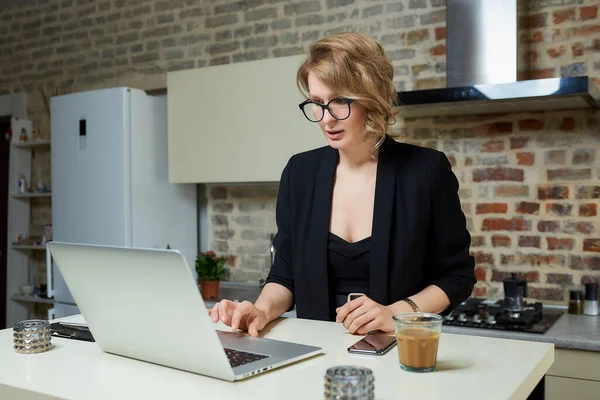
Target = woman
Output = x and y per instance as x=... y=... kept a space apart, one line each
x=365 y=214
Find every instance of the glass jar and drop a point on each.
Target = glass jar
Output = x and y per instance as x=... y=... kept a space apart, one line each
x=32 y=336
x=575 y=302
x=347 y=382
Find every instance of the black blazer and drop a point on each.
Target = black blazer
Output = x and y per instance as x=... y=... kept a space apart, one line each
x=419 y=234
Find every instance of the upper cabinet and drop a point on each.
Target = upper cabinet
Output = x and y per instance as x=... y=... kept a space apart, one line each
x=237 y=122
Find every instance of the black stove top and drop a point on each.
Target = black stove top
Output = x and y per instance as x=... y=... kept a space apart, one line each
x=487 y=314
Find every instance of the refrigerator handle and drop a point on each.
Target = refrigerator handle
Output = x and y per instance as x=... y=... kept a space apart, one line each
x=49 y=276
x=51 y=314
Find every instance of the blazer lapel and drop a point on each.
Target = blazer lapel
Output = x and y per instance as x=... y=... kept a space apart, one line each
x=320 y=234
x=385 y=189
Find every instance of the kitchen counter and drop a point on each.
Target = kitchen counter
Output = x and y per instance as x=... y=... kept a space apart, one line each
x=467 y=367
x=578 y=332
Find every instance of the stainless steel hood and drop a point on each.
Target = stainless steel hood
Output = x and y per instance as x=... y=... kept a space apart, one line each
x=481 y=69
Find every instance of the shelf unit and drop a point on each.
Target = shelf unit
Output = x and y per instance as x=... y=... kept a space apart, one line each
x=31 y=299
x=20 y=307
x=31 y=195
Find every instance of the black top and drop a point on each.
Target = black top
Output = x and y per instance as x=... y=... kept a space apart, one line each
x=348 y=265
x=419 y=235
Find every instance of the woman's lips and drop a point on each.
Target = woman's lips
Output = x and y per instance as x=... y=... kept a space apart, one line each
x=334 y=134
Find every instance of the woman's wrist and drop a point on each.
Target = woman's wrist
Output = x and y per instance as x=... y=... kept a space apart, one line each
x=400 y=307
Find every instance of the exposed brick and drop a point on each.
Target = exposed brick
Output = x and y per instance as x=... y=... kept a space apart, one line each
x=413 y=37
x=512 y=191
x=304 y=7
x=584 y=156
x=531 y=125
x=518 y=143
x=577 y=49
x=588 y=210
x=569 y=174
x=542 y=73
x=503 y=224
x=582 y=263
x=480 y=291
x=587 y=192
x=578 y=227
x=480 y=274
x=218 y=192
x=553 y=192
x=589 y=279
x=477 y=241
x=440 y=33
x=533 y=260
x=439 y=50
x=219 y=220
x=500 y=127
x=559 y=209
x=492 y=208
x=568 y=124
x=493 y=146
x=556 y=157
x=525 y=158
x=591 y=245
x=529 y=241
x=560 y=244
x=561 y=16
x=533 y=21
x=526 y=207
x=483 y=258
x=559 y=279
x=530 y=276
x=548 y=226
x=588 y=12
x=501 y=241
x=223 y=207
x=433 y=17
x=545 y=293
x=498 y=174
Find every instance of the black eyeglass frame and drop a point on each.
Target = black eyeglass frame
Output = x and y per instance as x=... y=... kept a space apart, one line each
x=326 y=107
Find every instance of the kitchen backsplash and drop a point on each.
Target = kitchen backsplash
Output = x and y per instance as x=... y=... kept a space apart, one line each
x=241 y=220
x=530 y=182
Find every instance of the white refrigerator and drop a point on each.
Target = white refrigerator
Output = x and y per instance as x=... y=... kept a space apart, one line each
x=110 y=180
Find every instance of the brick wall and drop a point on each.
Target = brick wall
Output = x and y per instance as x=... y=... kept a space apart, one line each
x=530 y=183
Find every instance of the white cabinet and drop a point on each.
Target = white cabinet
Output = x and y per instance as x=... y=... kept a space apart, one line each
x=575 y=375
x=237 y=123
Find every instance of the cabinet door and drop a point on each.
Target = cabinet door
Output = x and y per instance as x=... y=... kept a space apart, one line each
x=237 y=123
x=558 y=388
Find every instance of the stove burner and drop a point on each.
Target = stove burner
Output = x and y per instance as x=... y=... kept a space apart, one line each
x=486 y=314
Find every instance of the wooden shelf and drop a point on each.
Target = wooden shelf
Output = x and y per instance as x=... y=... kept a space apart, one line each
x=31 y=299
x=31 y=195
x=28 y=247
x=37 y=144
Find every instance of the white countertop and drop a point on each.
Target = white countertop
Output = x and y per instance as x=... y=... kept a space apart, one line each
x=467 y=367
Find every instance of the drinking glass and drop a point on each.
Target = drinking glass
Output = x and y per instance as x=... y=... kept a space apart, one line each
x=417 y=335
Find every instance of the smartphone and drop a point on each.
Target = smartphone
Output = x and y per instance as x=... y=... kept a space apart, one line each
x=373 y=344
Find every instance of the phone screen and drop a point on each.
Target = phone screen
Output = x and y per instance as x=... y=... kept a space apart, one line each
x=374 y=343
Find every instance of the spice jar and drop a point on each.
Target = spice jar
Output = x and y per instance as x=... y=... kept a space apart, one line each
x=590 y=306
x=576 y=302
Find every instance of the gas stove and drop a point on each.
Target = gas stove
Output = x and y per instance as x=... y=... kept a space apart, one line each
x=488 y=314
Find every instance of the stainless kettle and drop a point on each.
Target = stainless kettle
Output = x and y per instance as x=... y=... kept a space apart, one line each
x=514 y=291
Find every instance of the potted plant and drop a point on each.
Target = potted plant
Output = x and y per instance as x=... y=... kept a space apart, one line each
x=210 y=269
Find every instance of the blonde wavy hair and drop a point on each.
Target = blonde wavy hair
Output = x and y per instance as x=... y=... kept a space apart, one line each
x=355 y=66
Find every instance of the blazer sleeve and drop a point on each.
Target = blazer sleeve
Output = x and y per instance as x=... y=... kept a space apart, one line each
x=281 y=271
x=454 y=267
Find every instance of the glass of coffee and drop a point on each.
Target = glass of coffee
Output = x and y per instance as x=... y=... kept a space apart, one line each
x=418 y=335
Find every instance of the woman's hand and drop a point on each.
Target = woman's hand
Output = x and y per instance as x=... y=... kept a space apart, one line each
x=244 y=316
x=363 y=315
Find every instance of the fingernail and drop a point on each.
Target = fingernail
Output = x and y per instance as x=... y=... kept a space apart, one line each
x=222 y=318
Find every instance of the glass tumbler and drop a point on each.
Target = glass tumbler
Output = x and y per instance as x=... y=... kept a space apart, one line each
x=32 y=336
x=346 y=382
x=418 y=335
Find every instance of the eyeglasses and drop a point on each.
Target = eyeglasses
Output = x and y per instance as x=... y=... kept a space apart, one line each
x=339 y=109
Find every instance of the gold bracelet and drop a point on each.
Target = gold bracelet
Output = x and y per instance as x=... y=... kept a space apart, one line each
x=412 y=304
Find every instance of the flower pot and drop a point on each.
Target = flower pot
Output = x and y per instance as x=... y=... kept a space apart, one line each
x=209 y=290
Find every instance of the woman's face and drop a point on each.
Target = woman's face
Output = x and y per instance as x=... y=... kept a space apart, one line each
x=340 y=134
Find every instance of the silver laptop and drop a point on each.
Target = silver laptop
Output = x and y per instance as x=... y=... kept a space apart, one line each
x=145 y=304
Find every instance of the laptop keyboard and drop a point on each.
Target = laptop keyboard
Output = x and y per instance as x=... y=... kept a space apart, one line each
x=238 y=357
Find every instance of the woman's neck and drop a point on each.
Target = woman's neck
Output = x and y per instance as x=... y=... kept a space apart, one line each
x=358 y=157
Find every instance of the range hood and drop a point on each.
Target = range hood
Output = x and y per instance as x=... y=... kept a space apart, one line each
x=481 y=69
